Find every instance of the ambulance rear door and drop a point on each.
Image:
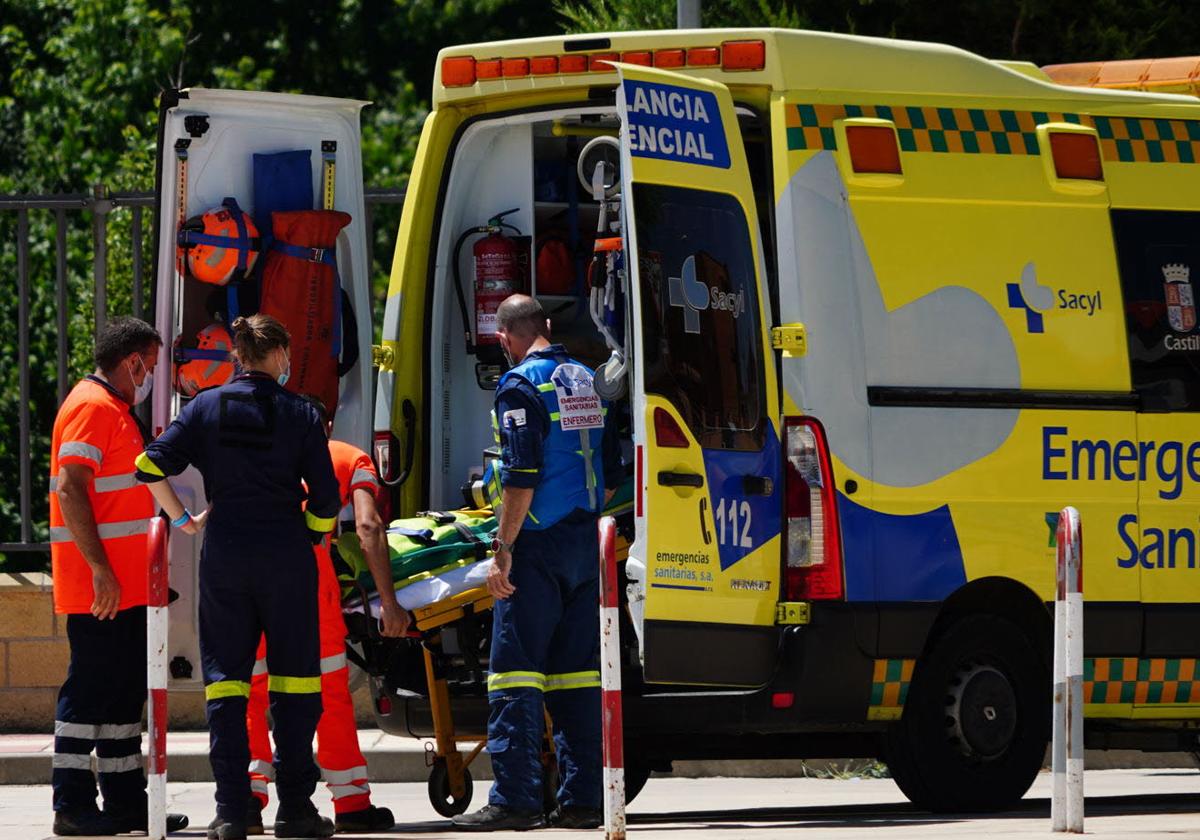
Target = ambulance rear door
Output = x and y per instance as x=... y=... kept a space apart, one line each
x=207 y=143
x=705 y=403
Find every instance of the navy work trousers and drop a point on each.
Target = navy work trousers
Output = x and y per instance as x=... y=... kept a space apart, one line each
x=251 y=583
x=100 y=708
x=546 y=644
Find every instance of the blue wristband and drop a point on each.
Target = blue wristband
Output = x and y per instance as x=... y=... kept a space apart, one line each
x=182 y=520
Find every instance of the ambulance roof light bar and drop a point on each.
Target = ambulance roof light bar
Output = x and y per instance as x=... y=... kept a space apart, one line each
x=730 y=56
x=1174 y=75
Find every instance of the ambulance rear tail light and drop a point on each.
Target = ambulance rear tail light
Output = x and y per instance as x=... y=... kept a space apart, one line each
x=1076 y=156
x=873 y=149
x=743 y=55
x=813 y=560
x=667 y=432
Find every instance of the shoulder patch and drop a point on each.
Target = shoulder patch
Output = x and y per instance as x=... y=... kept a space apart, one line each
x=514 y=417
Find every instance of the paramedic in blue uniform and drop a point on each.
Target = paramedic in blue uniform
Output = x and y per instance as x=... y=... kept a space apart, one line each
x=254 y=442
x=560 y=463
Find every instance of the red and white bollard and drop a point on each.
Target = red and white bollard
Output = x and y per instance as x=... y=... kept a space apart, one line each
x=1066 y=804
x=156 y=678
x=610 y=684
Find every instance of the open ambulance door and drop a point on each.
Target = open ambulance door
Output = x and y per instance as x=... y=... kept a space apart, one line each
x=207 y=143
x=704 y=399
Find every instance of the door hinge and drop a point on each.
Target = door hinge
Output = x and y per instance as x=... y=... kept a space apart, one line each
x=793 y=612
x=790 y=338
x=382 y=356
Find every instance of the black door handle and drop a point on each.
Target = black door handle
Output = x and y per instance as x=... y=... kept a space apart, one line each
x=667 y=478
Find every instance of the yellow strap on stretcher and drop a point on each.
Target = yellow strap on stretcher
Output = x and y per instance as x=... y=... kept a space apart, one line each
x=328 y=172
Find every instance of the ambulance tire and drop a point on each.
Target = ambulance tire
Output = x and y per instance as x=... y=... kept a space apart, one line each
x=636 y=776
x=975 y=725
x=440 y=797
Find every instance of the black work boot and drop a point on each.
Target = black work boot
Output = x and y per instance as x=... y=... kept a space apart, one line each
x=301 y=819
x=498 y=818
x=127 y=823
x=364 y=821
x=83 y=824
x=575 y=816
x=223 y=829
x=254 y=820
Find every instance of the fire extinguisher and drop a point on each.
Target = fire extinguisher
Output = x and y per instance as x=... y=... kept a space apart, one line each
x=498 y=274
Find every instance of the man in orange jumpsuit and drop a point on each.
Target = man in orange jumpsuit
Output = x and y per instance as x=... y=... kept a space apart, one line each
x=342 y=764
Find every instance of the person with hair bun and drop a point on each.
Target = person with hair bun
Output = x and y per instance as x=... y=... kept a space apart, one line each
x=257 y=447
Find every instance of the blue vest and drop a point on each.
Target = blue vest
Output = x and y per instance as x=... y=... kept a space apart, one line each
x=572 y=462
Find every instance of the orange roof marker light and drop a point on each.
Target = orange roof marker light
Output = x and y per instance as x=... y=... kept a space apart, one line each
x=1076 y=156
x=458 y=71
x=491 y=68
x=1169 y=75
x=743 y=55
x=599 y=62
x=873 y=149
x=704 y=56
x=543 y=65
x=573 y=64
x=515 y=67
x=642 y=57
x=669 y=58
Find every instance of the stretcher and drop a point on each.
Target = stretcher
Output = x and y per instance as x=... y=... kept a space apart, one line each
x=451 y=610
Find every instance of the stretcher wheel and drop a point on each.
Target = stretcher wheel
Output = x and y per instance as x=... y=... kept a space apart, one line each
x=439 y=790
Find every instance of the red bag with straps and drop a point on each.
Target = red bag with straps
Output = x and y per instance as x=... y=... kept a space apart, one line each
x=301 y=288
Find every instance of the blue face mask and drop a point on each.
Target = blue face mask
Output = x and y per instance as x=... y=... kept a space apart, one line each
x=285 y=375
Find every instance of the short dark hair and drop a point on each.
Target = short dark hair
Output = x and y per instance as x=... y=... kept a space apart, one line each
x=122 y=336
x=522 y=315
x=319 y=404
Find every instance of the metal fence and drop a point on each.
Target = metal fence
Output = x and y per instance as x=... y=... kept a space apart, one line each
x=101 y=204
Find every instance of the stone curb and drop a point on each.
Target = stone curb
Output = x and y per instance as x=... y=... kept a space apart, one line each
x=409 y=766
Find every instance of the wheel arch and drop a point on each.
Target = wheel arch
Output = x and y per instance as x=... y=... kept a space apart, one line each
x=1002 y=597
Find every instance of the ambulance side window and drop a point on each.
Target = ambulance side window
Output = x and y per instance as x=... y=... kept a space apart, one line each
x=1158 y=253
x=703 y=339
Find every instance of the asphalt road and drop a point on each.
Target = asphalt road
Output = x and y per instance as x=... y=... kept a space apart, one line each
x=1124 y=804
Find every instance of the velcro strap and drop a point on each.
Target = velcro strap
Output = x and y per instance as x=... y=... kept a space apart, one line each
x=187 y=238
x=472 y=539
x=327 y=256
x=421 y=535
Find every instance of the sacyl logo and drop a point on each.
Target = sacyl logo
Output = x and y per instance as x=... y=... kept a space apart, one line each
x=1037 y=299
x=690 y=294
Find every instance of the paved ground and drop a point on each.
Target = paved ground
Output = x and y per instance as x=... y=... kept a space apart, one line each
x=1122 y=804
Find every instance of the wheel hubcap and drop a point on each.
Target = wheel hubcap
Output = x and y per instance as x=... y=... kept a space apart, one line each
x=981 y=711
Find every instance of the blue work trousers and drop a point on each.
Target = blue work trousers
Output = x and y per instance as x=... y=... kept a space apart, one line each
x=100 y=708
x=253 y=583
x=546 y=644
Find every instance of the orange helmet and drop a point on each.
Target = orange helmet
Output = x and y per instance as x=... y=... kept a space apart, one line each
x=220 y=245
x=208 y=365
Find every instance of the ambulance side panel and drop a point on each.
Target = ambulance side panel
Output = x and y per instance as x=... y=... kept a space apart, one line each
x=966 y=346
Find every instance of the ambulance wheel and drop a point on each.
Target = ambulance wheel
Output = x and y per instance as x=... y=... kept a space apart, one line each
x=636 y=776
x=975 y=724
x=440 y=797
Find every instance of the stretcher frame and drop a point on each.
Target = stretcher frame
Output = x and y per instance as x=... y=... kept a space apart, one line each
x=444 y=757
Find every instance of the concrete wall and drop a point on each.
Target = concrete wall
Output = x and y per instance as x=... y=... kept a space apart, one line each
x=34 y=656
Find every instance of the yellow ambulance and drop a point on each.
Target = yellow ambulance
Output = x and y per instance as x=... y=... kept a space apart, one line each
x=891 y=306
x=877 y=311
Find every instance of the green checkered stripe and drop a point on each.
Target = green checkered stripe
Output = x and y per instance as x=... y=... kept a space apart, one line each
x=1001 y=132
x=1140 y=681
x=1133 y=140
x=890 y=679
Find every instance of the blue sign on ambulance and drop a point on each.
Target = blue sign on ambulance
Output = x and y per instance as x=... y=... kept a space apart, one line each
x=675 y=123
